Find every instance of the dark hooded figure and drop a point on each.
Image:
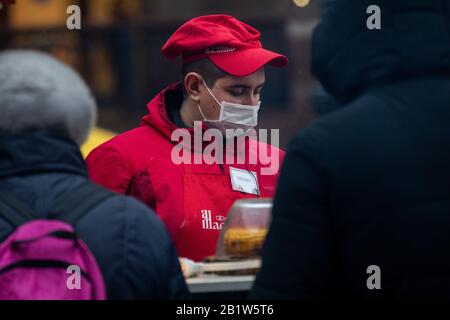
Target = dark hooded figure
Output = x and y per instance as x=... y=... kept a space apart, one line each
x=363 y=204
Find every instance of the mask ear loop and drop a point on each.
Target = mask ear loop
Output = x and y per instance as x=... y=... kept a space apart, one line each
x=200 y=109
x=207 y=88
x=217 y=101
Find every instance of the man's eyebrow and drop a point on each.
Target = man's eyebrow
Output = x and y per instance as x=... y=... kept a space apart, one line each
x=243 y=86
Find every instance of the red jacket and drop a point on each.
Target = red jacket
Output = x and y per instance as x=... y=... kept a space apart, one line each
x=191 y=199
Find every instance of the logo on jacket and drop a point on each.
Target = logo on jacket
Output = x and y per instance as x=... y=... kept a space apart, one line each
x=209 y=224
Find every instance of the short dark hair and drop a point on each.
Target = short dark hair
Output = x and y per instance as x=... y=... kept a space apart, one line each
x=204 y=67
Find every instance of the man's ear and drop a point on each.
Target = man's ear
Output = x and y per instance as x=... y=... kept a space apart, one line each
x=192 y=83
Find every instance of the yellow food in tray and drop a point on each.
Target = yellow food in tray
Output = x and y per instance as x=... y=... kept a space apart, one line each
x=242 y=241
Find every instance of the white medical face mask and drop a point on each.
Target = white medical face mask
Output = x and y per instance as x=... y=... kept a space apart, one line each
x=233 y=116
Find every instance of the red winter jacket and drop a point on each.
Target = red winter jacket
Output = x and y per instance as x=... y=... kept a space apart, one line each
x=191 y=199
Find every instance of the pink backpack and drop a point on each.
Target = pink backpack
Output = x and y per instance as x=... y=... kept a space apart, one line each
x=44 y=259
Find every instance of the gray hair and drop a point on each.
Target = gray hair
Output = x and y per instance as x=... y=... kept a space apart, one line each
x=37 y=92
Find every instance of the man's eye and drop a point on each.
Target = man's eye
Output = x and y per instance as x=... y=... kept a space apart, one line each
x=236 y=93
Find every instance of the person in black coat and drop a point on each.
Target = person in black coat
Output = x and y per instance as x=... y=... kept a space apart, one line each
x=46 y=113
x=363 y=204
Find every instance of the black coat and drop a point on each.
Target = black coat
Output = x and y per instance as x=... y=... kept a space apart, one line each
x=130 y=244
x=369 y=184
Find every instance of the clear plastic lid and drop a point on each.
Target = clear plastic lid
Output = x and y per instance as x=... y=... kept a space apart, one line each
x=245 y=228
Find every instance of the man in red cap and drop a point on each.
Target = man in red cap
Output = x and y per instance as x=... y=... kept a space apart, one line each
x=223 y=74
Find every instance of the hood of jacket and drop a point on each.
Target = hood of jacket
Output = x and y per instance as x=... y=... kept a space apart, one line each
x=39 y=152
x=348 y=57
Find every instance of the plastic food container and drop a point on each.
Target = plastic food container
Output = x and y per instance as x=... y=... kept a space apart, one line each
x=245 y=228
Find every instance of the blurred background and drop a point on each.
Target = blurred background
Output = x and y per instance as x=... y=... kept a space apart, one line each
x=117 y=51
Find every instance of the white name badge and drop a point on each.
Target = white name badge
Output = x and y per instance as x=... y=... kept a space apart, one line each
x=244 y=181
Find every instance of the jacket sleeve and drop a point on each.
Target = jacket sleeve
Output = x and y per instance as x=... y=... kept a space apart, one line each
x=108 y=168
x=296 y=254
x=151 y=261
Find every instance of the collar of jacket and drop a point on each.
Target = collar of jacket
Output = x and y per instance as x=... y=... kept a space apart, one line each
x=39 y=152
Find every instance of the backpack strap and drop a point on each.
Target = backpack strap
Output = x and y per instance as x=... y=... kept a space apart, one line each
x=74 y=205
x=14 y=210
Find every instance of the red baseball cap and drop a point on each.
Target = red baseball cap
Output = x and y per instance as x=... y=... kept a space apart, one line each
x=232 y=45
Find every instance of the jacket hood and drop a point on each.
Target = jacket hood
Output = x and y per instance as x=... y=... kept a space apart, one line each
x=157 y=116
x=38 y=152
x=348 y=58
